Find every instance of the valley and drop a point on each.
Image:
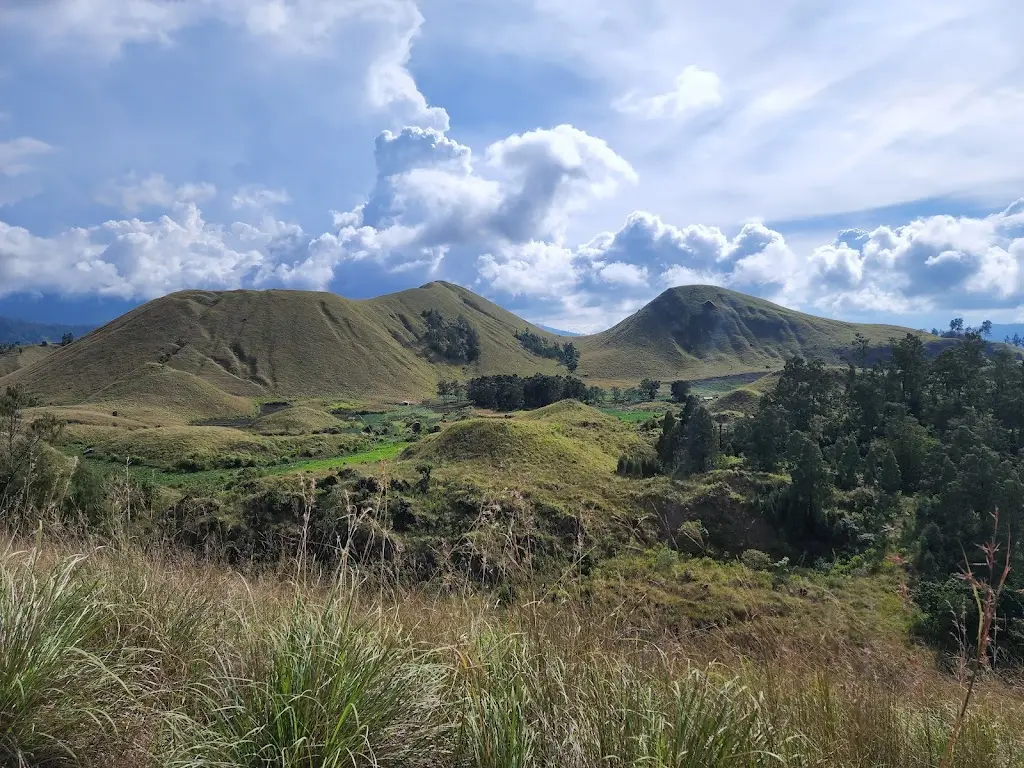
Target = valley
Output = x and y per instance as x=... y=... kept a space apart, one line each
x=716 y=484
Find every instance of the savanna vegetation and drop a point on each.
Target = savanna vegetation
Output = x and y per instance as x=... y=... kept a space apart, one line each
x=815 y=568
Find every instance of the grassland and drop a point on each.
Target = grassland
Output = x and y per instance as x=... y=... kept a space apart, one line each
x=221 y=350
x=699 y=332
x=22 y=356
x=115 y=656
x=255 y=344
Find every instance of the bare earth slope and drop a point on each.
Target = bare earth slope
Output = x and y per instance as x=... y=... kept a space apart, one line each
x=261 y=344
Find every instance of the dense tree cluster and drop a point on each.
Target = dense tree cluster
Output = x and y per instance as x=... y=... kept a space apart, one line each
x=649 y=388
x=455 y=340
x=450 y=391
x=922 y=448
x=511 y=393
x=689 y=441
x=680 y=390
x=567 y=354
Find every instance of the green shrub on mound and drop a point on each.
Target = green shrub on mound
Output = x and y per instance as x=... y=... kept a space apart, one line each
x=742 y=400
x=295 y=420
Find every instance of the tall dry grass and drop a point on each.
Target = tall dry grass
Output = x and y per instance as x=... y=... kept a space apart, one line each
x=118 y=656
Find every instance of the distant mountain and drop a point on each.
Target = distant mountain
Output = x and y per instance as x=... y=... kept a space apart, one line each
x=256 y=344
x=284 y=343
x=1003 y=331
x=14 y=331
x=701 y=330
x=557 y=331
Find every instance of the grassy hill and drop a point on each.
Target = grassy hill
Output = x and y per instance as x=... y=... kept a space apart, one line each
x=697 y=331
x=284 y=343
x=215 y=353
x=22 y=356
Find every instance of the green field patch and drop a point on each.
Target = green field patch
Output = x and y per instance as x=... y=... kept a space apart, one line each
x=380 y=453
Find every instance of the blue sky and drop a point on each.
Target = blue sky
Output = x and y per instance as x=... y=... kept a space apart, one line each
x=567 y=159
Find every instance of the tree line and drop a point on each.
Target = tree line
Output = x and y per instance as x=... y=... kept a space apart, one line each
x=567 y=354
x=514 y=392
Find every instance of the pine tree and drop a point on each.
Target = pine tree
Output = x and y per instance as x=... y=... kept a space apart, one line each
x=883 y=470
x=700 y=444
x=848 y=464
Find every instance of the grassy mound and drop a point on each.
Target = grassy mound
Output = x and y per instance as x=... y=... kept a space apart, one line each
x=573 y=412
x=159 y=394
x=295 y=420
x=180 y=446
x=566 y=434
x=742 y=400
x=570 y=465
x=499 y=442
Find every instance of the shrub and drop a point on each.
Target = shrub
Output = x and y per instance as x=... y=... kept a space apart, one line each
x=756 y=560
x=691 y=537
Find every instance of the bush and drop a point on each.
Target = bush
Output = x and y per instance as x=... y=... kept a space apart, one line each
x=756 y=560
x=691 y=537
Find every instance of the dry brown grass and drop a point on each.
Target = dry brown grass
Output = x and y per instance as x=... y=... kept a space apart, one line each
x=505 y=684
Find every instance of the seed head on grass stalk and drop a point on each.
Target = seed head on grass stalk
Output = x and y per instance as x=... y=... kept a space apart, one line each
x=986 y=593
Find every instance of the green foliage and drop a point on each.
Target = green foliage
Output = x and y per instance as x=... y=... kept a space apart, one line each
x=680 y=390
x=692 y=537
x=882 y=468
x=638 y=464
x=60 y=699
x=30 y=470
x=570 y=356
x=649 y=388
x=756 y=560
x=848 y=464
x=511 y=393
x=700 y=443
x=810 y=493
x=324 y=691
x=765 y=436
x=456 y=340
x=450 y=390
x=567 y=353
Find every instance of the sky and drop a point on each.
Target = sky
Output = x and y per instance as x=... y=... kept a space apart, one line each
x=568 y=159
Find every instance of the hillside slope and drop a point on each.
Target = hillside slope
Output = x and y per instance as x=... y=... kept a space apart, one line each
x=23 y=356
x=284 y=343
x=701 y=330
x=278 y=343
